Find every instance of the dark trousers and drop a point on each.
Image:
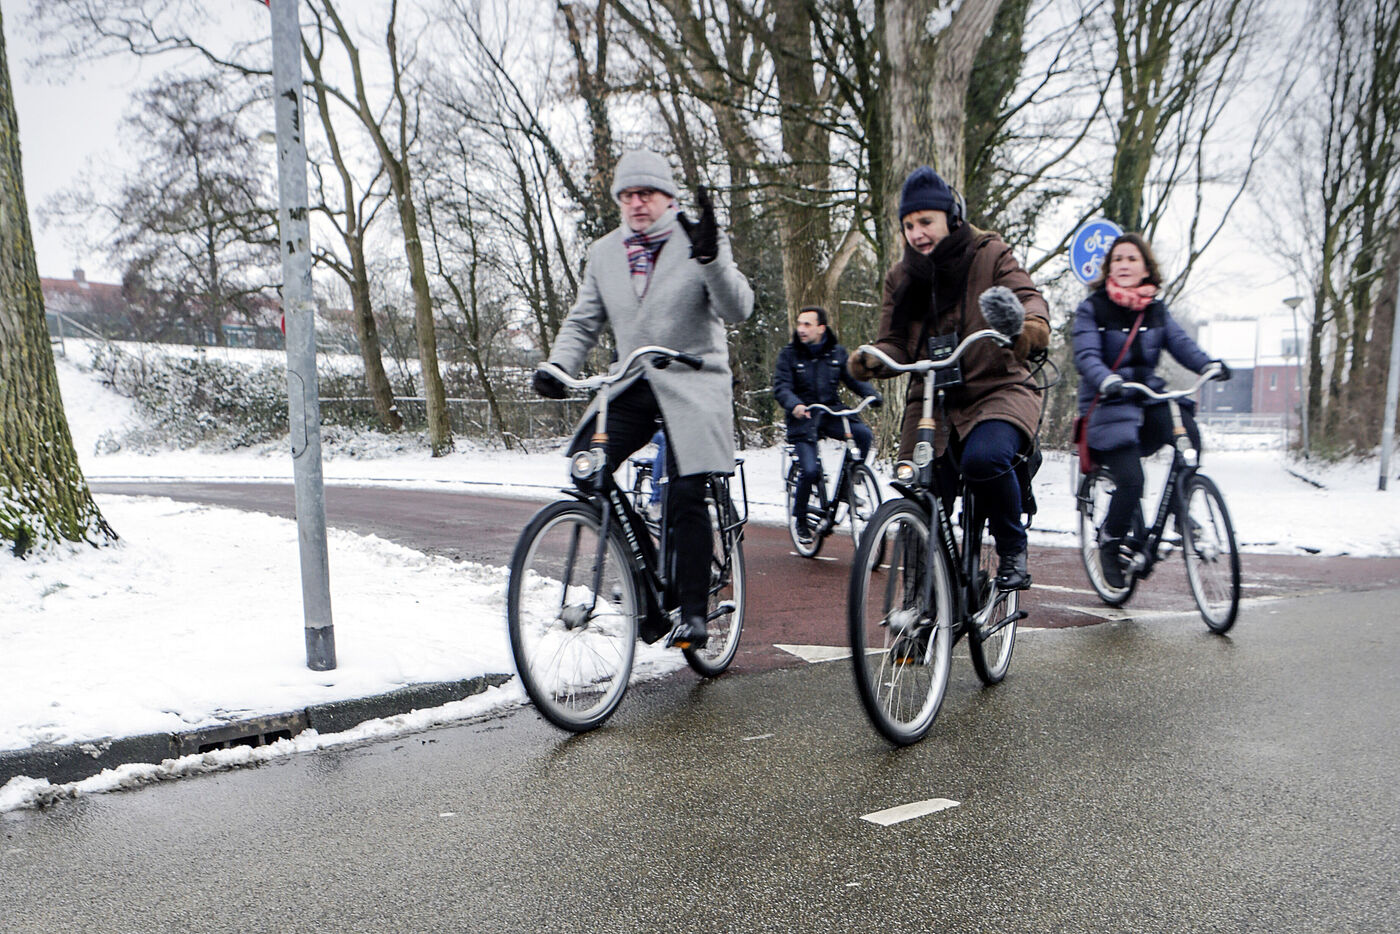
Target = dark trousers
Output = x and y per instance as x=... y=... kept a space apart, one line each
x=1125 y=464
x=632 y=420
x=987 y=458
x=809 y=461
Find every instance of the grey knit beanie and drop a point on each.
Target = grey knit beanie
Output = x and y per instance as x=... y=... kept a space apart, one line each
x=642 y=168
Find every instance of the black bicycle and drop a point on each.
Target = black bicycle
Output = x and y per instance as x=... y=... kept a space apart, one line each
x=588 y=579
x=920 y=582
x=853 y=500
x=1191 y=517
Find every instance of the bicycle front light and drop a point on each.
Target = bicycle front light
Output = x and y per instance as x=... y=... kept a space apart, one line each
x=905 y=471
x=587 y=463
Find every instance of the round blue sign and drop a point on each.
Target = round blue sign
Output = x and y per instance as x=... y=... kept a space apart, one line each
x=1089 y=247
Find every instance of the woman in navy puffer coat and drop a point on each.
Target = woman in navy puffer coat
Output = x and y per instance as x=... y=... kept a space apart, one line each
x=1125 y=427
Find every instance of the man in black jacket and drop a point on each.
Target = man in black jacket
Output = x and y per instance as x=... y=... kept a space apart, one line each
x=810 y=370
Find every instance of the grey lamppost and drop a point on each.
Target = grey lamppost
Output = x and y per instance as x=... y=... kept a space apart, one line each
x=1293 y=304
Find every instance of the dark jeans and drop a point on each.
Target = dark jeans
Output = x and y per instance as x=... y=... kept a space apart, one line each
x=632 y=420
x=987 y=457
x=809 y=461
x=1125 y=464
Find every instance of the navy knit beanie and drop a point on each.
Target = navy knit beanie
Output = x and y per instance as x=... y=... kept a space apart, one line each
x=924 y=190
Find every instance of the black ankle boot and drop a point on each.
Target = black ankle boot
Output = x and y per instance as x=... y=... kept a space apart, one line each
x=1012 y=573
x=1111 y=561
x=692 y=633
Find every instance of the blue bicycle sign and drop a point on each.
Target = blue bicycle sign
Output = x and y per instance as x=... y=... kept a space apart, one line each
x=1089 y=247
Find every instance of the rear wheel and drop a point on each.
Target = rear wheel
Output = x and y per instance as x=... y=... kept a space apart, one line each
x=899 y=614
x=724 y=615
x=572 y=617
x=991 y=642
x=806 y=549
x=1212 y=558
x=1095 y=492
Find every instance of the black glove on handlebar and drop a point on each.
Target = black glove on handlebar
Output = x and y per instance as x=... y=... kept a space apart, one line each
x=549 y=386
x=704 y=233
x=879 y=400
x=1224 y=370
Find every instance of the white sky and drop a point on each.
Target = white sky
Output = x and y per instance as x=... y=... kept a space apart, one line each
x=154 y=634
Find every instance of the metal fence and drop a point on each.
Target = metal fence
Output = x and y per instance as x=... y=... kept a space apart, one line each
x=523 y=418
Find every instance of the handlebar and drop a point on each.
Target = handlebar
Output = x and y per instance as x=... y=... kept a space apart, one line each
x=625 y=369
x=923 y=366
x=1209 y=373
x=815 y=406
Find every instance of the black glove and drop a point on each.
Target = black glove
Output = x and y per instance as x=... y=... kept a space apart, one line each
x=1111 y=386
x=1224 y=370
x=549 y=386
x=879 y=400
x=704 y=233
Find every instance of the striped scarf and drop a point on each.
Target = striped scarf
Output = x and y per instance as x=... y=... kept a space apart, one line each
x=642 y=250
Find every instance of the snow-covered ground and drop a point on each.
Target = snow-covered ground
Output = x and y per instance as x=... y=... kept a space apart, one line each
x=195 y=617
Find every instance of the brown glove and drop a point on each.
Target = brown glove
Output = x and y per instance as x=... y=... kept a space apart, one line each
x=862 y=366
x=1035 y=336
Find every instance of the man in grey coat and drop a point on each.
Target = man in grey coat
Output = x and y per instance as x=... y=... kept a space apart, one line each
x=663 y=279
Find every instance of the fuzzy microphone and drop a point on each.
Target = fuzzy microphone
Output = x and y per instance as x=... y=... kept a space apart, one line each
x=1003 y=310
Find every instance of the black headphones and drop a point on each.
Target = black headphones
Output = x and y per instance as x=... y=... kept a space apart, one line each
x=958 y=212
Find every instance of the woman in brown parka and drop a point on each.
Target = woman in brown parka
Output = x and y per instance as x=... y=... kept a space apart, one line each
x=988 y=420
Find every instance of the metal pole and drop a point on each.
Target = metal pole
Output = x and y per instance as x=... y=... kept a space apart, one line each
x=1392 y=393
x=1293 y=304
x=303 y=404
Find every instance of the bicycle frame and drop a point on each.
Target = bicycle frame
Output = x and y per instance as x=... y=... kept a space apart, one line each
x=593 y=475
x=1185 y=463
x=849 y=458
x=917 y=480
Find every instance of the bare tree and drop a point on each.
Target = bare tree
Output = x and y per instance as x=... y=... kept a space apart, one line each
x=44 y=497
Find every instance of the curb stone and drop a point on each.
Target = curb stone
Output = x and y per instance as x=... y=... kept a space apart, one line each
x=77 y=761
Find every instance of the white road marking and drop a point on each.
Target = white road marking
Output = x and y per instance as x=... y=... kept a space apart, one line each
x=909 y=811
x=749 y=739
x=1058 y=589
x=817 y=653
x=814 y=558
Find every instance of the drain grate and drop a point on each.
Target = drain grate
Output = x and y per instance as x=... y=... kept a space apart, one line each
x=259 y=731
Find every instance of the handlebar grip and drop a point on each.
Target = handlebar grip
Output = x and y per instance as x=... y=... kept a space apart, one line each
x=690 y=360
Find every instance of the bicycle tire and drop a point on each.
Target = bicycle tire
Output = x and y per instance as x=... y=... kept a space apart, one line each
x=807 y=549
x=1212 y=556
x=990 y=644
x=862 y=499
x=1095 y=491
x=728 y=584
x=574 y=659
x=901 y=650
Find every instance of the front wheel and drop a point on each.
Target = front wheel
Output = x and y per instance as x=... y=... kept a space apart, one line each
x=992 y=636
x=572 y=610
x=1212 y=558
x=807 y=549
x=724 y=615
x=1095 y=492
x=899 y=613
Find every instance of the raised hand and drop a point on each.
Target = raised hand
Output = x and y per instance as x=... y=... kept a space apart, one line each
x=704 y=233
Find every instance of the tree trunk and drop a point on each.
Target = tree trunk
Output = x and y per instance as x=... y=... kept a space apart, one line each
x=44 y=497
x=930 y=48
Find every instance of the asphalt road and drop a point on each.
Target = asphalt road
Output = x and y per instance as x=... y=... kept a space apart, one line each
x=1136 y=776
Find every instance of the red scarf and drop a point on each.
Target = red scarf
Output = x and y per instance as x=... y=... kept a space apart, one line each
x=1135 y=298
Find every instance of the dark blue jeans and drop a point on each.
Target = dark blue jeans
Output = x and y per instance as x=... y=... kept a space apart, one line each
x=810 y=461
x=987 y=457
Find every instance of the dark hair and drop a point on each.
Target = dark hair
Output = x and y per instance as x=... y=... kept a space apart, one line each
x=820 y=312
x=1154 y=273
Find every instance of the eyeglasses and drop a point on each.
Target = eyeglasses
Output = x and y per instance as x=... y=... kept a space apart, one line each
x=639 y=194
